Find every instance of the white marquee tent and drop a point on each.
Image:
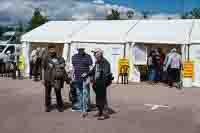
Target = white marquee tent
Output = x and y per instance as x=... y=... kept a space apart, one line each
x=55 y=32
x=113 y=36
x=107 y=35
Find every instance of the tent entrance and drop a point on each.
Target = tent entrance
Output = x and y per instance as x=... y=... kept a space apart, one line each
x=165 y=48
x=59 y=46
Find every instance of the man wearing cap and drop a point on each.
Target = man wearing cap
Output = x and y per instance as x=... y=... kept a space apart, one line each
x=100 y=73
x=82 y=63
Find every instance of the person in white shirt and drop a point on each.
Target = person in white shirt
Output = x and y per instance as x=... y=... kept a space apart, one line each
x=174 y=65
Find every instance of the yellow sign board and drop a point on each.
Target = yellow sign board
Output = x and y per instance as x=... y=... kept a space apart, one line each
x=188 y=69
x=123 y=66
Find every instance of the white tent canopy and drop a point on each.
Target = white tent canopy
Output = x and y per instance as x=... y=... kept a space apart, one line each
x=195 y=35
x=105 y=31
x=54 y=32
x=161 y=32
x=117 y=31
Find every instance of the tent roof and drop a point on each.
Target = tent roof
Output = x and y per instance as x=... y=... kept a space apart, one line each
x=54 y=32
x=195 y=34
x=161 y=31
x=117 y=31
x=105 y=31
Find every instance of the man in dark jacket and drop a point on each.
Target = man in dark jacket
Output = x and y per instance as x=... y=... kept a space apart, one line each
x=100 y=73
x=54 y=77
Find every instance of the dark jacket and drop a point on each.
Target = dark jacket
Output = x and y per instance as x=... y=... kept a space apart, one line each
x=100 y=70
x=49 y=66
x=100 y=74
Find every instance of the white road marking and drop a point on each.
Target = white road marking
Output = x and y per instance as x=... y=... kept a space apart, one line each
x=156 y=106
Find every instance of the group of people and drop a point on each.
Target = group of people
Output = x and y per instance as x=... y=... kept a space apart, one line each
x=165 y=68
x=12 y=65
x=85 y=75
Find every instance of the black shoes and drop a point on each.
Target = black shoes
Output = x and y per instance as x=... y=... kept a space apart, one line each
x=47 y=109
x=60 y=109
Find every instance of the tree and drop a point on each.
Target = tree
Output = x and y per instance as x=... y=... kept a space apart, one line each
x=130 y=14
x=37 y=19
x=1 y=30
x=20 y=27
x=195 y=13
x=145 y=14
x=115 y=15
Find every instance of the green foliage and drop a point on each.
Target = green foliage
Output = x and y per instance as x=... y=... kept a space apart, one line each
x=37 y=19
x=20 y=27
x=195 y=13
x=1 y=30
x=145 y=14
x=130 y=14
x=115 y=15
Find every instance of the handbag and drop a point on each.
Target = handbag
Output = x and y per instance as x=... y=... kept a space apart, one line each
x=108 y=79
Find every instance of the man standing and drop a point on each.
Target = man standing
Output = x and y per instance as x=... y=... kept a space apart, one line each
x=102 y=77
x=82 y=63
x=54 y=77
x=174 y=64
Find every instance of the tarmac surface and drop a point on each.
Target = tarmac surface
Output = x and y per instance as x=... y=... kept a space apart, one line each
x=140 y=108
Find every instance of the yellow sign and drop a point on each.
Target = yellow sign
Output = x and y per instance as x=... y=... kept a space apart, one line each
x=188 y=69
x=123 y=66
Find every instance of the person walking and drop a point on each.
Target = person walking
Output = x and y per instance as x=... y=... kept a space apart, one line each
x=33 y=58
x=174 y=64
x=102 y=77
x=151 y=67
x=166 y=69
x=54 y=77
x=82 y=63
x=162 y=59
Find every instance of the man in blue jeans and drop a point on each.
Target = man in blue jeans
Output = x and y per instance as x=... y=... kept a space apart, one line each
x=82 y=63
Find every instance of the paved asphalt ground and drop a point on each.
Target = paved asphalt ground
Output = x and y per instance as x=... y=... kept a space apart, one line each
x=22 y=110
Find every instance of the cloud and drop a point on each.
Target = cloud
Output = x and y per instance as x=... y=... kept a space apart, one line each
x=22 y=10
x=98 y=2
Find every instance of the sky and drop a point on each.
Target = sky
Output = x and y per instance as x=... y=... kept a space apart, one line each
x=13 y=11
x=159 y=6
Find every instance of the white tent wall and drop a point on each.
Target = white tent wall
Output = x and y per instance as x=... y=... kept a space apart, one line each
x=112 y=52
x=133 y=71
x=65 y=54
x=195 y=57
x=26 y=46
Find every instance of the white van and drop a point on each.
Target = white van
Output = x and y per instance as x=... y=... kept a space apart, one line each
x=9 y=42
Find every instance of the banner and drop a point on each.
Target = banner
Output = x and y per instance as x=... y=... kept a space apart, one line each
x=139 y=55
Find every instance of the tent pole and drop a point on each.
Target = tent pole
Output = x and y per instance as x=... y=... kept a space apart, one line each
x=188 y=56
x=124 y=50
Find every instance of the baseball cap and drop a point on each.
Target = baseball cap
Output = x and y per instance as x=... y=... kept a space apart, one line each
x=97 y=50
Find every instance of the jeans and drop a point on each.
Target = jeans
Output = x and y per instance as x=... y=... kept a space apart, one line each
x=82 y=96
x=152 y=74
